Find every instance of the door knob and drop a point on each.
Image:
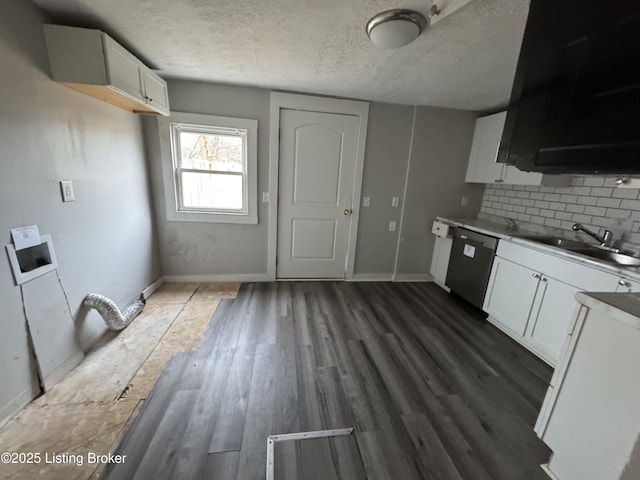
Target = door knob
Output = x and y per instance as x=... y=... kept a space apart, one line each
x=347 y=211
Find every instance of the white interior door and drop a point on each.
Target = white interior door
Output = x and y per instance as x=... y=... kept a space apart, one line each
x=316 y=184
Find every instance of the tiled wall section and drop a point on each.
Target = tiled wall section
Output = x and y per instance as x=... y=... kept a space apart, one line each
x=593 y=201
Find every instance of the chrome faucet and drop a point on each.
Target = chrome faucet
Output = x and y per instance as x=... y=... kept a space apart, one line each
x=605 y=240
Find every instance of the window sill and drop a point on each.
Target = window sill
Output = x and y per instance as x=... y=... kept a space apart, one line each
x=212 y=218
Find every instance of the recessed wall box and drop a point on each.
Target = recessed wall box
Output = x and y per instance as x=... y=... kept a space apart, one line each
x=32 y=262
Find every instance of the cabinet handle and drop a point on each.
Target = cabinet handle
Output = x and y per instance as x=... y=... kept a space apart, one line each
x=536 y=275
x=150 y=99
x=544 y=279
x=498 y=180
x=624 y=283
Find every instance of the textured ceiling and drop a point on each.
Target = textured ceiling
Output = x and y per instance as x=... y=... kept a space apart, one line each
x=466 y=60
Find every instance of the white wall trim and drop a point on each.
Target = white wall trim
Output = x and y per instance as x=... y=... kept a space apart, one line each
x=170 y=189
x=404 y=193
x=147 y=292
x=281 y=100
x=413 y=277
x=240 y=277
x=545 y=468
x=372 y=277
x=61 y=371
x=20 y=401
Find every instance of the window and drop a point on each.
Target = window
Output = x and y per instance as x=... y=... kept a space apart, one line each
x=211 y=168
x=213 y=172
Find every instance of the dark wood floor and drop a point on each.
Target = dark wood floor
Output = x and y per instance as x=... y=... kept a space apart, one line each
x=432 y=390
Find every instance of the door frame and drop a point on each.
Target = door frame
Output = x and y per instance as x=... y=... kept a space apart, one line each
x=291 y=101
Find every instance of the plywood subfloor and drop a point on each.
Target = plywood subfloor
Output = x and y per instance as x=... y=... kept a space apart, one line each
x=90 y=408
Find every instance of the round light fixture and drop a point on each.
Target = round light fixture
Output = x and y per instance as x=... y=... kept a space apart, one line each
x=395 y=28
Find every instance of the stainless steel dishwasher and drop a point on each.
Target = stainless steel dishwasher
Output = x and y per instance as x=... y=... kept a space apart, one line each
x=470 y=264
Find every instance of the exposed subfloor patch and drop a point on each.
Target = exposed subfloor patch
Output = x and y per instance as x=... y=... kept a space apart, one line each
x=87 y=412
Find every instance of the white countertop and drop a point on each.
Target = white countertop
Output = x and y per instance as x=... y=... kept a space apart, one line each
x=504 y=231
x=624 y=307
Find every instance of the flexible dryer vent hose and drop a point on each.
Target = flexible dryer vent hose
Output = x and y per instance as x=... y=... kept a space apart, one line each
x=110 y=312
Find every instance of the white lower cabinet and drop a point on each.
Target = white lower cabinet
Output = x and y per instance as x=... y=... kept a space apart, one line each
x=440 y=260
x=550 y=317
x=531 y=296
x=510 y=306
x=627 y=286
x=441 y=254
x=589 y=416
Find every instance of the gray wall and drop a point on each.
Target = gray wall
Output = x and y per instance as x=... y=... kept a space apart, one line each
x=439 y=157
x=385 y=169
x=195 y=248
x=441 y=144
x=104 y=240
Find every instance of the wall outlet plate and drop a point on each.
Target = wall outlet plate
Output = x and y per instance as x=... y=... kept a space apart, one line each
x=395 y=201
x=66 y=187
x=366 y=201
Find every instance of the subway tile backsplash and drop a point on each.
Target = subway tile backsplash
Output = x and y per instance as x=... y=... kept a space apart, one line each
x=595 y=202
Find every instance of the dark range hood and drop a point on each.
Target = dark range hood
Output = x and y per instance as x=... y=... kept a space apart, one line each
x=575 y=102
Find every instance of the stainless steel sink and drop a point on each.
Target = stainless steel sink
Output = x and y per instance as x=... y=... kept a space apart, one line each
x=618 y=256
x=621 y=257
x=559 y=242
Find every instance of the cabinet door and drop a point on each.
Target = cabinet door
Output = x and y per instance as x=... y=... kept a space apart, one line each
x=627 y=286
x=440 y=260
x=552 y=312
x=124 y=70
x=155 y=89
x=512 y=289
x=484 y=149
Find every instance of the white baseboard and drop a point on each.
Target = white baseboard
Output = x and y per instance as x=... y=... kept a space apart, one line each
x=61 y=371
x=24 y=398
x=547 y=470
x=413 y=277
x=242 y=277
x=371 y=277
x=442 y=285
x=147 y=292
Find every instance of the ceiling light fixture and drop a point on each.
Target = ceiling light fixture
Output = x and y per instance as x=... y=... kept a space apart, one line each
x=398 y=27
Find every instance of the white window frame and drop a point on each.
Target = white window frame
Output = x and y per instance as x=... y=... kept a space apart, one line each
x=171 y=167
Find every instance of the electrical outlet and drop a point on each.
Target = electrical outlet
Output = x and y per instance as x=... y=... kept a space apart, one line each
x=395 y=201
x=465 y=201
x=66 y=187
x=265 y=197
x=366 y=201
x=392 y=226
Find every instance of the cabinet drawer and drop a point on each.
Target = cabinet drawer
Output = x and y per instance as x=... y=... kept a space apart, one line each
x=581 y=276
x=440 y=229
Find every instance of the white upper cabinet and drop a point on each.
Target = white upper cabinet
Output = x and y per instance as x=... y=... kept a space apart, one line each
x=93 y=63
x=483 y=167
x=155 y=90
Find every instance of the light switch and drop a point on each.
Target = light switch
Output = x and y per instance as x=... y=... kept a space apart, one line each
x=66 y=187
x=366 y=201
x=392 y=226
x=395 y=201
x=465 y=201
